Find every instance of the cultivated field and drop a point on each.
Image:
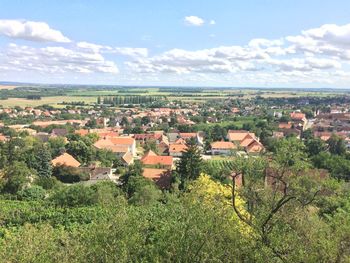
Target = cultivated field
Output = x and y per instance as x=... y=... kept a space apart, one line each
x=57 y=95
x=54 y=101
x=7 y=87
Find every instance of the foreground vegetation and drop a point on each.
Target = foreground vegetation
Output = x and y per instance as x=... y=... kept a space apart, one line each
x=200 y=219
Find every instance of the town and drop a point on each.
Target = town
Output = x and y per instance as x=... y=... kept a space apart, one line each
x=158 y=137
x=174 y=131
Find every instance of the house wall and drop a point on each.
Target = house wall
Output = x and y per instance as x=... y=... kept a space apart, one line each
x=220 y=151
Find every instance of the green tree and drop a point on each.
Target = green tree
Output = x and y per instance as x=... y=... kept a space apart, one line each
x=190 y=165
x=336 y=145
x=68 y=174
x=43 y=162
x=57 y=146
x=15 y=177
x=151 y=145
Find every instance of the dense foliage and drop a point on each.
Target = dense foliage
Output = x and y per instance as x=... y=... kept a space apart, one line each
x=302 y=217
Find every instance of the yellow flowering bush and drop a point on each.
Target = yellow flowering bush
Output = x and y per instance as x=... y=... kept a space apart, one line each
x=215 y=195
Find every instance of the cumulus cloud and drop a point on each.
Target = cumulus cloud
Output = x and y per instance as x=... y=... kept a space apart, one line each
x=124 y=51
x=55 y=60
x=320 y=55
x=30 y=30
x=312 y=53
x=194 y=21
x=328 y=40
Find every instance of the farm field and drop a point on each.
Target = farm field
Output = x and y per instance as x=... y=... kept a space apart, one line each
x=2 y=87
x=54 y=101
x=55 y=95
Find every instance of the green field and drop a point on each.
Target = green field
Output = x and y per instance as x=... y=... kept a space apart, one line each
x=56 y=95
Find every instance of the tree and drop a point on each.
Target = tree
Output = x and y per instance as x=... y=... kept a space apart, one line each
x=43 y=162
x=275 y=195
x=57 y=146
x=143 y=191
x=190 y=165
x=74 y=195
x=151 y=145
x=134 y=170
x=15 y=177
x=336 y=145
x=314 y=146
x=81 y=151
x=68 y=174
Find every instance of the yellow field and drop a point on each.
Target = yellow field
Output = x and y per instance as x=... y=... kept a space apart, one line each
x=7 y=87
x=12 y=102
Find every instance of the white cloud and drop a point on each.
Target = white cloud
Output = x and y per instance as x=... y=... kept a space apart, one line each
x=194 y=21
x=129 y=51
x=212 y=22
x=55 y=60
x=124 y=51
x=318 y=55
x=29 y=30
x=328 y=40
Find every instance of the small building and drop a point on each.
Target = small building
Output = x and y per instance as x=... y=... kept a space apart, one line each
x=152 y=160
x=222 y=148
x=176 y=150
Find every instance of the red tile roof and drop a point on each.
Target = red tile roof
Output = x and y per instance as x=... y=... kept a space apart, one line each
x=157 y=160
x=82 y=132
x=177 y=148
x=297 y=116
x=222 y=145
x=238 y=135
x=65 y=159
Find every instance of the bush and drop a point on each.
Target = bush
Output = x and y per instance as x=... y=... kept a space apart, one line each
x=33 y=193
x=47 y=182
x=74 y=195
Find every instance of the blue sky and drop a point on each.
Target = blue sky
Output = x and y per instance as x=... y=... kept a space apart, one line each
x=268 y=43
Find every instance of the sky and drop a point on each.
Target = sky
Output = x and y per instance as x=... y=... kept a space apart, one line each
x=237 y=43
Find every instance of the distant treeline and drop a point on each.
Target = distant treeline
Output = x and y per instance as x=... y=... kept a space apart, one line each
x=120 y=100
x=180 y=90
x=307 y=100
x=132 y=91
x=32 y=93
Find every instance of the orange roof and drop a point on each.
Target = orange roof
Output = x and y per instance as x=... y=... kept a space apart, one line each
x=222 y=145
x=187 y=135
x=104 y=134
x=82 y=132
x=152 y=173
x=127 y=141
x=154 y=160
x=285 y=125
x=297 y=116
x=247 y=140
x=122 y=140
x=149 y=153
x=238 y=135
x=255 y=147
x=176 y=148
x=65 y=159
x=180 y=141
x=128 y=158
